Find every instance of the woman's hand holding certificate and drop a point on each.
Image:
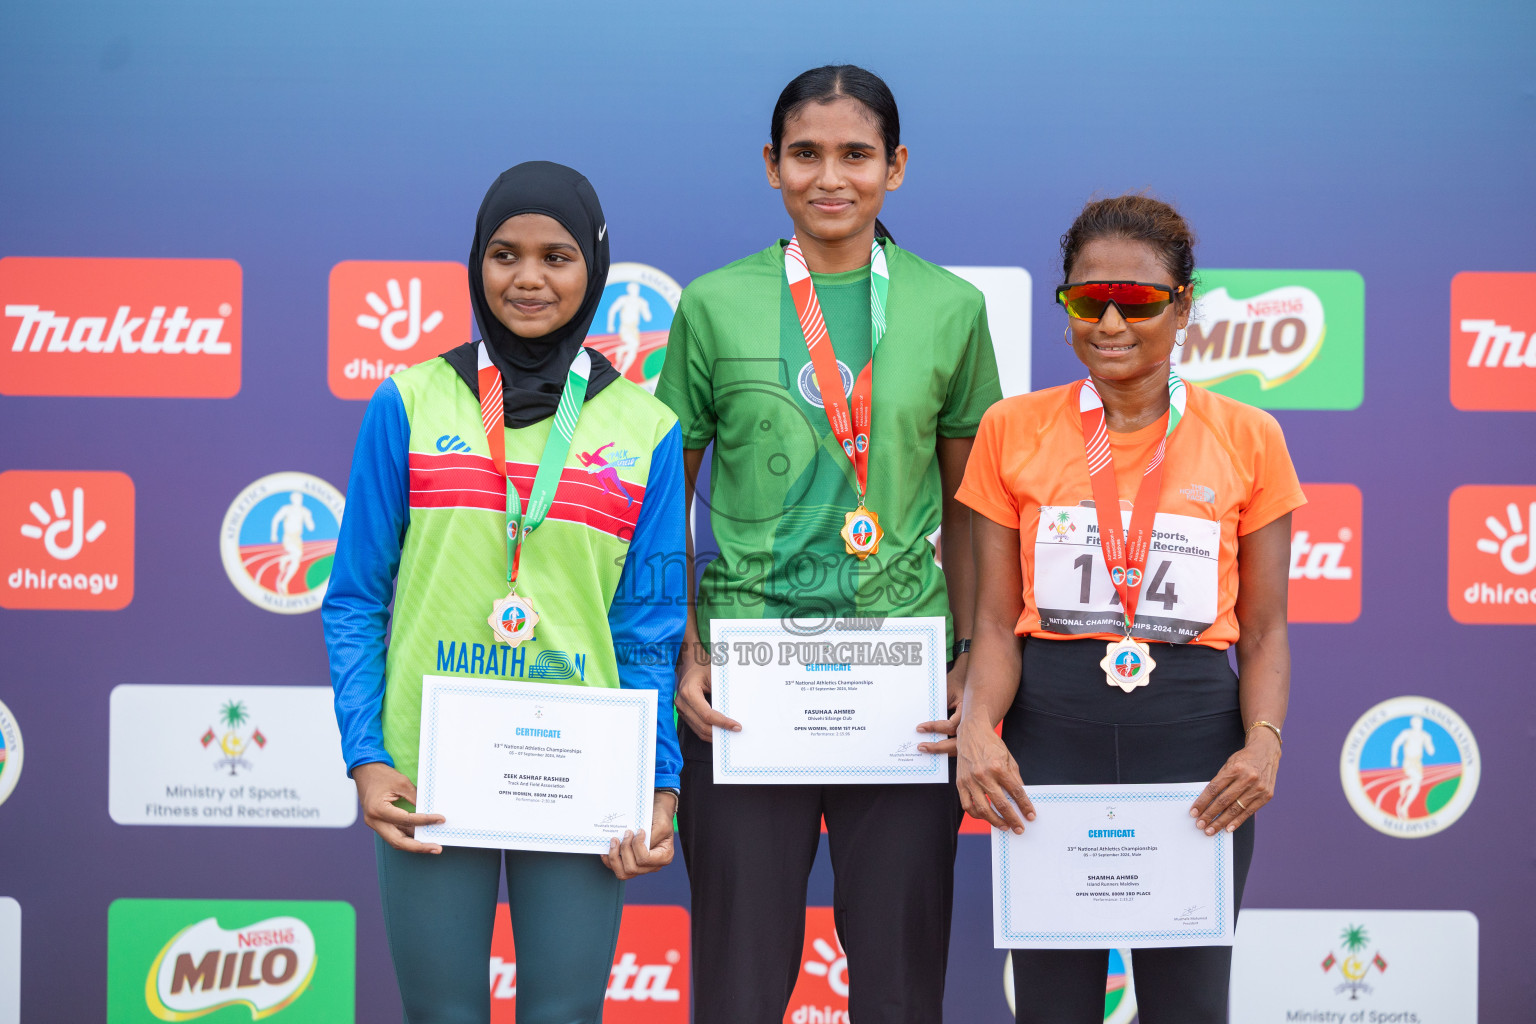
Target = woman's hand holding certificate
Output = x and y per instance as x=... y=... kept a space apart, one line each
x=536 y=766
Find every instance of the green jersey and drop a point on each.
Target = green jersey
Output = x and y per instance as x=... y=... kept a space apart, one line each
x=738 y=374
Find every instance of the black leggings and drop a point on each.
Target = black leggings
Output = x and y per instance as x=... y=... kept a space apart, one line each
x=749 y=851
x=1067 y=726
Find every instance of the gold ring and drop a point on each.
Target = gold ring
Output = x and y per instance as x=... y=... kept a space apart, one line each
x=1240 y=804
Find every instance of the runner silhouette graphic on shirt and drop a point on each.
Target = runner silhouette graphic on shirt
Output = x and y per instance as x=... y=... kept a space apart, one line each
x=292 y=519
x=606 y=474
x=1413 y=743
x=630 y=308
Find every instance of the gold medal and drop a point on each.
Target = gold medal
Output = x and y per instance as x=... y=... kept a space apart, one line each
x=1127 y=663
x=512 y=619
x=861 y=532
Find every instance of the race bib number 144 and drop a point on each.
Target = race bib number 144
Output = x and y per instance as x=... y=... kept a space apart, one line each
x=1075 y=595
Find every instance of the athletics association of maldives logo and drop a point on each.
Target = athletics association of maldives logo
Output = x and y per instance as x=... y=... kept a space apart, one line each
x=1410 y=767
x=11 y=752
x=1128 y=664
x=633 y=320
x=279 y=539
x=156 y=328
x=1126 y=577
x=862 y=530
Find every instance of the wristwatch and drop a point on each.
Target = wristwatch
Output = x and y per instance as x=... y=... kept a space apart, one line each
x=962 y=646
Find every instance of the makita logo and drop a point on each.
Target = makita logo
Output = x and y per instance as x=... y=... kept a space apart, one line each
x=1499 y=345
x=96 y=326
x=628 y=980
x=647 y=984
x=171 y=335
x=1326 y=555
x=1493 y=341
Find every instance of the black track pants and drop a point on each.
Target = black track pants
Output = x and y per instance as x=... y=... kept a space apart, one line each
x=749 y=849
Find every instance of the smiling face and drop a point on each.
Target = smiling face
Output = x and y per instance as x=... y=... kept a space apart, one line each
x=832 y=169
x=534 y=275
x=1113 y=349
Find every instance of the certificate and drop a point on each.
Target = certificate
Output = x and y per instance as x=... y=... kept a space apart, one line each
x=839 y=706
x=1111 y=866
x=534 y=766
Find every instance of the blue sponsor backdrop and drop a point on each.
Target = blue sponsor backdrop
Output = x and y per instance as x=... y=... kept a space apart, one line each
x=1394 y=140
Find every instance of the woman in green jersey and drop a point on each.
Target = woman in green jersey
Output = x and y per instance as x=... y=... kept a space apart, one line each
x=739 y=374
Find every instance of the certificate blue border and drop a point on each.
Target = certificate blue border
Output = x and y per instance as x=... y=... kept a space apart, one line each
x=563 y=694
x=1218 y=844
x=936 y=706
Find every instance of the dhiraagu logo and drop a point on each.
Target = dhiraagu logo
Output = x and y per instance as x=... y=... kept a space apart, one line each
x=1278 y=339
x=230 y=960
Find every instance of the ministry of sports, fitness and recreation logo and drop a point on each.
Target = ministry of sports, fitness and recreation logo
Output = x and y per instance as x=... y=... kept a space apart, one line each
x=179 y=960
x=279 y=539
x=1278 y=339
x=1354 y=960
x=633 y=319
x=1061 y=526
x=228 y=741
x=810 y=385
x=1410 y=767
x=1119 y=989
x=11 y=752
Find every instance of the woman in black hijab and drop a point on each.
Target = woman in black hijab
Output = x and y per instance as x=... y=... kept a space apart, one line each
x=425 y=532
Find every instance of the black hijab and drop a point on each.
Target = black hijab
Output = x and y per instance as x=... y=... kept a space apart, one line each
x=533 y=370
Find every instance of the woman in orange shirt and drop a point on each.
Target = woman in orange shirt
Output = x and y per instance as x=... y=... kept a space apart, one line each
x=1219 y=480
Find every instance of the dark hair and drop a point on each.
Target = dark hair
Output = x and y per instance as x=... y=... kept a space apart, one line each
x=1138 y=217
x=835 y=81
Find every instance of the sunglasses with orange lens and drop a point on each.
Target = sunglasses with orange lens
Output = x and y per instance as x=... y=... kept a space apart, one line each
x=1136 y=301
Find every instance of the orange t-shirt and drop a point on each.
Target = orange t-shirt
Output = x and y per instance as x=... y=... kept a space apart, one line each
x=1226 y=474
